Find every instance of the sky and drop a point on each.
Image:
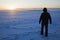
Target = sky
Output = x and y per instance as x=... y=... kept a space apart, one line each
x=30 y=3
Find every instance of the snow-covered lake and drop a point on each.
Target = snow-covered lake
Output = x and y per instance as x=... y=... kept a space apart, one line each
x=24 y=25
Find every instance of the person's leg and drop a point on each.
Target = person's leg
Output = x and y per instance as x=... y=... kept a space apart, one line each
x=42 y=29
x=46 y=30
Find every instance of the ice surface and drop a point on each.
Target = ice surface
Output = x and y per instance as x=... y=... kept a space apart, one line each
x=24 y=25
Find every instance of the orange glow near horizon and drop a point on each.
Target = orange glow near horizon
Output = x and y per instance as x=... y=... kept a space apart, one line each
x=15 y=6
x=10 y=7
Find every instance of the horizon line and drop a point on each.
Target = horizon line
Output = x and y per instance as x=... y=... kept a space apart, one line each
x=24 y=8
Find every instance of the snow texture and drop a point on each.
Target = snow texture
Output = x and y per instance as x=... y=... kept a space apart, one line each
x=24 y=25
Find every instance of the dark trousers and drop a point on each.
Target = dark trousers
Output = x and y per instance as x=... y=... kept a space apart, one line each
x=46 y=29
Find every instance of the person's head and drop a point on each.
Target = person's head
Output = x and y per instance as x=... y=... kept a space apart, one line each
x=44 y=9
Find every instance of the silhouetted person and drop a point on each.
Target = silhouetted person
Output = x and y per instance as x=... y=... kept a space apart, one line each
x=44 y=19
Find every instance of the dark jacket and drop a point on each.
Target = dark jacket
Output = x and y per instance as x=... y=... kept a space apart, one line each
x=44 y=18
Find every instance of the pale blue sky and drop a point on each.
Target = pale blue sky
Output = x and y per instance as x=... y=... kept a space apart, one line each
x=32 y=3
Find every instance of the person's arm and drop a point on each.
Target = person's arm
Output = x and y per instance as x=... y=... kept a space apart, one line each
x=40 y=18
x=50 y=19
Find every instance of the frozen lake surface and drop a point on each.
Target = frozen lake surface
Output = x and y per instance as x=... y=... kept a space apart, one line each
x=24 y=25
